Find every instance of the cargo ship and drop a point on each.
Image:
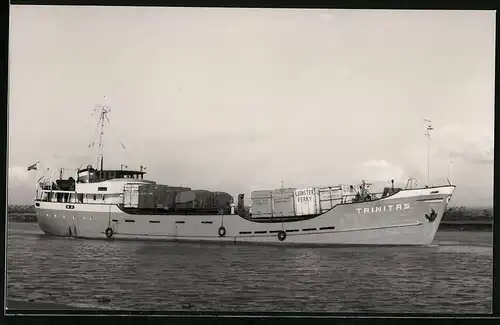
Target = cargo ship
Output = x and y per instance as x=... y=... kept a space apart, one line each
x=114 y=204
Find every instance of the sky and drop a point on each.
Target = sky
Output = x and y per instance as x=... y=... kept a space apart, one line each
x=238 y=100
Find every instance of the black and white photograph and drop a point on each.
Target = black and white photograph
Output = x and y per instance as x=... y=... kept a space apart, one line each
x=189 y=159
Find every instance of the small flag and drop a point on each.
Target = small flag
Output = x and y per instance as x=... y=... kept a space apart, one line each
x=32 y=167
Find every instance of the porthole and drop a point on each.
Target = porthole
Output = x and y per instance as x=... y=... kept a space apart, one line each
x=91 y=218
x=73 y=217
x=55 y=216
x=64 y=217
x=83 y=218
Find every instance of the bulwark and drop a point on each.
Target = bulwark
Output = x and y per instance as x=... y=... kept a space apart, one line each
x=384 y=208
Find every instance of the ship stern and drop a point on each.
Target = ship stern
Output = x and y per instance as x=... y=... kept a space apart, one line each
x=52 y=220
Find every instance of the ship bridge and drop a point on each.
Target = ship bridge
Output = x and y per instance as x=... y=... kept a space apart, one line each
x=92 y=175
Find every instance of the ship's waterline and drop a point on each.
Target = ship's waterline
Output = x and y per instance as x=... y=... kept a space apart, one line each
x=396 y=220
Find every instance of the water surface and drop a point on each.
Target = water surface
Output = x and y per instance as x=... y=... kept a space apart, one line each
x=453 y=275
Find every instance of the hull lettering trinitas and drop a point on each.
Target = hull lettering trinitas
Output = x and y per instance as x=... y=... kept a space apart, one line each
x=393 y=207
x=431 y=216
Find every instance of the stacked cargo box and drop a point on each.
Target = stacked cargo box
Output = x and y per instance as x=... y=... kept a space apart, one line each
x=283 y=202
x=292 y=202
x=202 y=199
x=223 y=199
x=307 y=201
x=171 y=193
x=262 y=204
x=139 y=196
x=149 y=196
x=130 y=196
x=349 y=190
x=160 y=194
x=329 y=197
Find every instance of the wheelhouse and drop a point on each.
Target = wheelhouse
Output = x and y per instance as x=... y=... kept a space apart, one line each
x=92 y=175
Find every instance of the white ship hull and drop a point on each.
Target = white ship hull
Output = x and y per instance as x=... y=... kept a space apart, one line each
x=404 y=218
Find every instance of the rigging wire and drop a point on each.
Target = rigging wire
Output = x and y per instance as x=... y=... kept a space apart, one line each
x=115 y=137
x=90 y=147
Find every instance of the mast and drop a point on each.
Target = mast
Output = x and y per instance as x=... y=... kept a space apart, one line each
x=103 y=111
x=428 y=136
x=450 y=170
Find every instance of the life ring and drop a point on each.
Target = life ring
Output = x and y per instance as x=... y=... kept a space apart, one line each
x=281 y=235
x=222 y=231
x=109 y=232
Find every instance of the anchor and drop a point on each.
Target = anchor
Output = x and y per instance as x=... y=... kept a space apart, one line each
x=431 y=216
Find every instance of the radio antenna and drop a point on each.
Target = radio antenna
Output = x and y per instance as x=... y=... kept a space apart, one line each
x=428 y=136
x=102 y=110
x=450 y=171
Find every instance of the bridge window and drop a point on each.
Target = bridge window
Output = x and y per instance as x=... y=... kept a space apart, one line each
x=102 y=188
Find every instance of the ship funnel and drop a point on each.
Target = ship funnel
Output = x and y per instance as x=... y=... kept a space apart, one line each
x=240 y=208
x=241 y=201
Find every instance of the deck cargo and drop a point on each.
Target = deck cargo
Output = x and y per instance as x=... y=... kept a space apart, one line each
x=147 y=196
x=283 y=202
x=160 y=194
x=170 y=193
x=327 y=205
x=178 y=188
x=306 y=201
x=195 y=199
x=262 y=204
x=131 y=196
x=349 y=190
x=329 y=197
x=140 y=196
x=223 y=199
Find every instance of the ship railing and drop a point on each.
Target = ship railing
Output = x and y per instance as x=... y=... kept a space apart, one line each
x=50 y=180
x=371 y=195
x=44 y=184
x=411 y=182
x=57 y=191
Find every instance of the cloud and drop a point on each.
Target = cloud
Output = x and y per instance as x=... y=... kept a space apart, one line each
x=380 y=171
x=20 y=186
x=471 y=144
x=18 y=175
